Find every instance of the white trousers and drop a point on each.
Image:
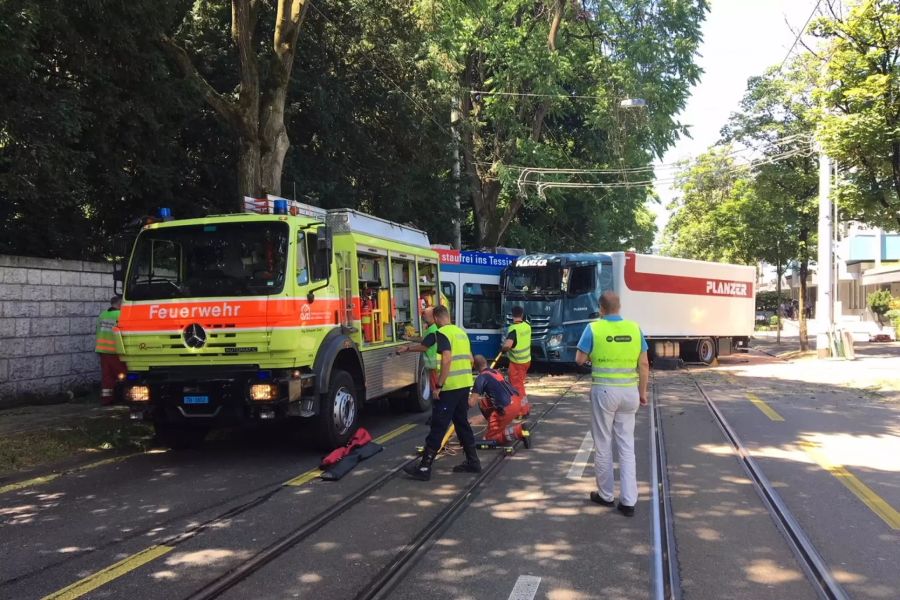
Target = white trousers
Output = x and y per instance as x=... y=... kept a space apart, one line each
x=614 y=410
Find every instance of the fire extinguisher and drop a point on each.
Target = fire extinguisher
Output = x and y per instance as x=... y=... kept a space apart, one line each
x=368 y=326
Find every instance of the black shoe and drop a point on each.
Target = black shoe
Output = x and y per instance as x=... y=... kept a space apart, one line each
x=421 y=470
x=468 y=467
x=527 y=436
x=598 y=499
x=472 y=464
x=628 y=511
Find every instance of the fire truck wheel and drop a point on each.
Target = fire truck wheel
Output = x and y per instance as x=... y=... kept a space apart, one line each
x=339 y=417
x=706 y=351
x=179 y=437
x=416 y=401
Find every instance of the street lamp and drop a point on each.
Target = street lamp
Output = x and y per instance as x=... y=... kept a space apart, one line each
x=633 y=103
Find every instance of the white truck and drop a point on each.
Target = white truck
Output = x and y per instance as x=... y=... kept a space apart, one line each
x=691 y=309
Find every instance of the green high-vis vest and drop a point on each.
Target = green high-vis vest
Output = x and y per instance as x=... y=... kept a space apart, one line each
x=615 y=352
x=521 y=352
x=431 y=357
x=106 y=339
x=460 y=374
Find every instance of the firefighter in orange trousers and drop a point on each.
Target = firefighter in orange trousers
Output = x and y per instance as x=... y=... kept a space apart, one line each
x=110 y=365
x=500 y=403
x=518 y=346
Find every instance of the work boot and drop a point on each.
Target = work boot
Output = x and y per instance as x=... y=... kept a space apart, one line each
x=422 y=469
x=472 y=464
x=527 y=435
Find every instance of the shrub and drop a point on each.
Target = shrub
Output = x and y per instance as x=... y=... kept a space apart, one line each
x=879 y=303
x=774 y=322
x=893 y=316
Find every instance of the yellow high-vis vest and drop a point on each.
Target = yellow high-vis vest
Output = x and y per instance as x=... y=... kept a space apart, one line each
x=460 y=373
x=615 y=352
x=106 y=339
x=521 y=352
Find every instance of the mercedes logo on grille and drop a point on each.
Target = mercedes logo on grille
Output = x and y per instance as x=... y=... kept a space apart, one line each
x=194 y=336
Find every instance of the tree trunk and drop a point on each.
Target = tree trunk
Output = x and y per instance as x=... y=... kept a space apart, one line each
x=804 y=336
x=778 y=272
x=257 y=117
x=249 y=183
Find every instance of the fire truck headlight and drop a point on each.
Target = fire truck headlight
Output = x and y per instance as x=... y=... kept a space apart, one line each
x=138 y=393
x=263 y=392
x=555 y=340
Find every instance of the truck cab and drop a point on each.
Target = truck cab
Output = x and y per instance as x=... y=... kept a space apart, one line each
x=560 y=294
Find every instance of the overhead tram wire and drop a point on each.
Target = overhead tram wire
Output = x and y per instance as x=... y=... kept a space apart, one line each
x=799 y=35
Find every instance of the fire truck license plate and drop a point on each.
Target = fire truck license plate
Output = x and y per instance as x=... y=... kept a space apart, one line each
x=196 y=399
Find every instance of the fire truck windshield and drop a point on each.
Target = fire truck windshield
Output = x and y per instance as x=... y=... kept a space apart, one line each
x=201 y=261
x=534 y=280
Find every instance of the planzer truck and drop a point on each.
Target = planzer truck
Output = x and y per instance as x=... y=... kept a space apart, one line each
x=285 y=312
x=688 y=309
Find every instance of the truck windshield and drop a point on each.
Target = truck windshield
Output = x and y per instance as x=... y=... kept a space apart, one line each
x=534 y=280
x=197 y=261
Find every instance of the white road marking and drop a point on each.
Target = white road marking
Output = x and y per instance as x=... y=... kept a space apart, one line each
x=576 y=471
x=526 y=588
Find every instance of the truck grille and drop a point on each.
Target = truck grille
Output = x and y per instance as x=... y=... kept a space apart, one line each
x=539 y=326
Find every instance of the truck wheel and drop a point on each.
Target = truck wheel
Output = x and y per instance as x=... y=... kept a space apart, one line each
x=339 y=417
x=416 y=400
x=706 y=351
x=179 y=437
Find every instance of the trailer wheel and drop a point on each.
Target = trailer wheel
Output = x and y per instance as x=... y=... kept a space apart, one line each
x=417 y=401
x=706 y=351
x=339 y=417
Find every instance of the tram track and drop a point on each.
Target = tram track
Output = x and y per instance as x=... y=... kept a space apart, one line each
x=809 y=559
x=395 y=569
x=665 y=579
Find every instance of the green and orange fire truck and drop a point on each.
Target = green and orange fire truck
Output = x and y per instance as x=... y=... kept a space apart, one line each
x=283 y=312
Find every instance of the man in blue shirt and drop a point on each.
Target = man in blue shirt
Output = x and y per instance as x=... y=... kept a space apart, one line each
x=620 y=373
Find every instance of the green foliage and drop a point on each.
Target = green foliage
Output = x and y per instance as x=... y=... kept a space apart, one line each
x=879 y=302
x=859 y=121
x=893 y=317
x=99 y=127
x=770 y=301
x=775 y=322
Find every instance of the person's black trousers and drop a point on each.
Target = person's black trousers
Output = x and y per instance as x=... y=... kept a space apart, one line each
x=453 y=406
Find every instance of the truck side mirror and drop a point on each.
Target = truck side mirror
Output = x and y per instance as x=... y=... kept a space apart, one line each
x=323 y=253
x=118 y=272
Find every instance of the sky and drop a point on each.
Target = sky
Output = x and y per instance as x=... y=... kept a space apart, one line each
x=741 y=38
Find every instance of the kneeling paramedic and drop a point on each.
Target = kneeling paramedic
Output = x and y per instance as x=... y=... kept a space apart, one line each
x=450 y=399
x=500 y=403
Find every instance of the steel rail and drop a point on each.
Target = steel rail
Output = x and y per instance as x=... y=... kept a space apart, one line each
x=394 y=572
x=810 y=560
x=665 y=581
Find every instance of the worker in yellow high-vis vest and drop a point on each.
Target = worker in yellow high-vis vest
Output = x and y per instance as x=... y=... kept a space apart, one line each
x=450 y=400
x=620 y=372
x=105 y=346
x=517 y=345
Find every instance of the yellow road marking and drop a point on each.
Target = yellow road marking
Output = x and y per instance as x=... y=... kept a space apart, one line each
x=304 y=478
x=101 y=578
x=867 y=495
x=392 y=434
x=48 y=478
x=765 y=408
x=314 y=473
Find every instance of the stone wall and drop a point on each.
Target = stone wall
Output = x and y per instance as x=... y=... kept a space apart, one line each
x=48 y=312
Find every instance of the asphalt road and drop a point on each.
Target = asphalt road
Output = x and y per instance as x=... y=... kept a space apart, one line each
x=529 y=530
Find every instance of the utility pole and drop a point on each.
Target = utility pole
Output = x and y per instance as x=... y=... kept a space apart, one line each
x=454 y=130
x=824 y=270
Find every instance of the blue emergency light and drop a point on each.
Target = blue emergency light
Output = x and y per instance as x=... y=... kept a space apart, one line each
x=281 y=207
x=164 y=213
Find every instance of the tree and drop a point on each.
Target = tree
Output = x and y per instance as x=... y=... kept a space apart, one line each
x=860 y=114
x=255 y=114
x=777 y=118
x=539 y=84
x=879 y=302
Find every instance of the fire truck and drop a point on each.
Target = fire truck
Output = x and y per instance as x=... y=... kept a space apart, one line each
x=688 y=309
x=285 y=312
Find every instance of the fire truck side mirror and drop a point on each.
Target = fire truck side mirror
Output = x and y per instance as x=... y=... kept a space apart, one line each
x=118 y=272
x=323 y=250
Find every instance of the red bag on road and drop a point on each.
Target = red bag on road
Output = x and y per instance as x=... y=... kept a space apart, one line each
x=359 y=439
